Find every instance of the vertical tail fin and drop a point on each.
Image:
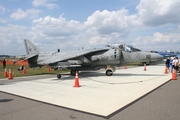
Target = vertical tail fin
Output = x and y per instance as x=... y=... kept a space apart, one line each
x=32 y=53
x=31 y=49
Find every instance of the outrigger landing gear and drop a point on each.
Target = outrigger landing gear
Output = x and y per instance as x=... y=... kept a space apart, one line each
x=59 y=76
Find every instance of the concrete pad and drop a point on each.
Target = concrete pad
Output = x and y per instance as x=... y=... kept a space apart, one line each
x=98 y=94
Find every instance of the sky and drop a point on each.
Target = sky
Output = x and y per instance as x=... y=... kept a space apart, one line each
x=74 y=24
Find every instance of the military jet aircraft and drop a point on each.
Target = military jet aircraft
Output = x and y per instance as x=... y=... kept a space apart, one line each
x=165 y=54
x=88 y=59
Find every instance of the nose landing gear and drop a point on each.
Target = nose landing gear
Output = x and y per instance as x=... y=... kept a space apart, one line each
x=110 y=71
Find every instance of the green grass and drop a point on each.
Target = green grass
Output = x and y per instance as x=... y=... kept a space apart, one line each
x=37 y=71
x=135 y=64
x=29 y=71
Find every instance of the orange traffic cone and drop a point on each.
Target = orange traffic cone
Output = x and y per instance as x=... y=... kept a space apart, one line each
x=125 y=67
x=5 y=73
x=24 y=71
x=49 y=69
x=174 y=75
x=10 y=74
x=76 y=84
x=144 y=67
x=166 y=71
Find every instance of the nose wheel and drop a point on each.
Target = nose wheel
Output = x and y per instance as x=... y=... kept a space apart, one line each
x=109 y=72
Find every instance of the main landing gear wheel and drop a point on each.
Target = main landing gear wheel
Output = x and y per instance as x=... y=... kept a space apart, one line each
x=58 y=76
x=109 y=72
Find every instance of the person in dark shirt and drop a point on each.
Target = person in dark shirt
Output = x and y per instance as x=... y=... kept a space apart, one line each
x=4 y=64
x=167 y=62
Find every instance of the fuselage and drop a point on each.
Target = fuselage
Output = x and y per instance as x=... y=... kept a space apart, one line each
x=110 y=57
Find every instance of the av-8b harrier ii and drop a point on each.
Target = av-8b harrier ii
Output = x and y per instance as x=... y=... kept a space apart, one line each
x=88 y=59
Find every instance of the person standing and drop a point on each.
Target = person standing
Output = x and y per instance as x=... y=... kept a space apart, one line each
x=14 y=62
x=167 y=63
x=4 y=64
x=176 y=63
x=170 y=64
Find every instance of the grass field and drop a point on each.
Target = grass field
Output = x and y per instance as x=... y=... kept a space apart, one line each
x=34 y=71
x=29 y=71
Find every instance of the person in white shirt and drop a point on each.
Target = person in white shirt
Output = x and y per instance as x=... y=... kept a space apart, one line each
x=175 y=64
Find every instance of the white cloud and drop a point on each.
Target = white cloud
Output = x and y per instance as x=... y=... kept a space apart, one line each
x=107 y=27
x=159 y=41
x=3 y=21
x=109 y=22
x=46 y=3
x=56 y=27
x=59 y=32
x=159 y=12
x=12 y=39
x=33 y=13
x=98 y=40
x=37 y=3
x=20 y=14
x=158 y=37
x=12 y=33
x=101 y=27
x=2 y=9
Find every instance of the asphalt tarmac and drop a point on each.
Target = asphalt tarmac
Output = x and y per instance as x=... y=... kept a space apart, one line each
x=162 y=103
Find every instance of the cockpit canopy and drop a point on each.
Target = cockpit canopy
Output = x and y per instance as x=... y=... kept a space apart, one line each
x=115 y=46
x=133 y=48
x=127 y=48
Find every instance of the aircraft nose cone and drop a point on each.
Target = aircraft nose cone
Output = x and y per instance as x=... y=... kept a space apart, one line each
x=156 y=57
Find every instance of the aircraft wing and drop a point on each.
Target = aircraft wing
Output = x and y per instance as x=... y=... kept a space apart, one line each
x=70 y=55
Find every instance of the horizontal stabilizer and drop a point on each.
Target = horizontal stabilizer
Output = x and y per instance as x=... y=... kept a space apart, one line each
x=30 y=56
